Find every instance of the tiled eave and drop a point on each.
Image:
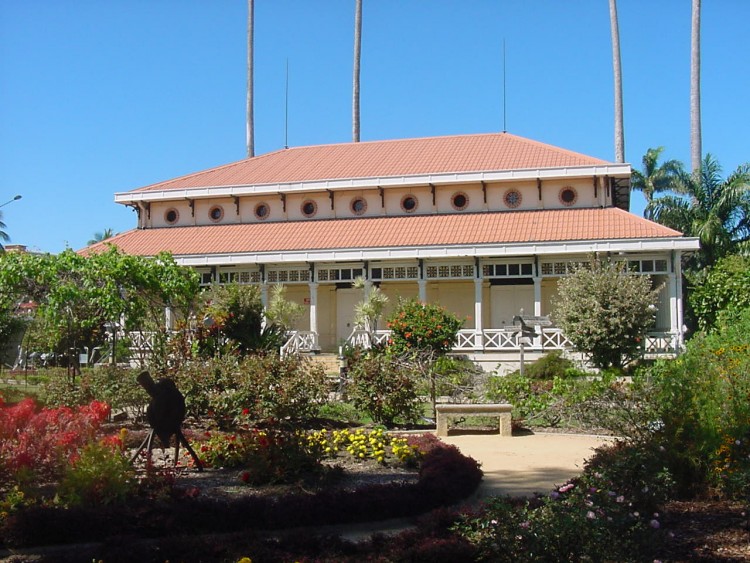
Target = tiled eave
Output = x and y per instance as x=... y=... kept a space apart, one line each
x=540 y=232
x=434 y=252
x=529 y=174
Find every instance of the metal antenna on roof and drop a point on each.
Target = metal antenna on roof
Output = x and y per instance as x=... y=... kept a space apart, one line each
x=286 y=107
x=505 y=128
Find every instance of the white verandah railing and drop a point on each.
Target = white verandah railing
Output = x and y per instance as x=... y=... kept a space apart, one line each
x=300 y=341
x=654 y=344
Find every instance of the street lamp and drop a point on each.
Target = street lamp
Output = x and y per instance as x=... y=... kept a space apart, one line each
x=11 y=200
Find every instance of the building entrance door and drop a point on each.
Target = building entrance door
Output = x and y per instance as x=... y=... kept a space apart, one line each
x=507 y=302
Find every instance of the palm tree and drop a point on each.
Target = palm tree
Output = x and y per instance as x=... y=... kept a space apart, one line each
x=357 y=59
x=99 y=237
x=250 y=113
x=619 y=126
x=715 y=210
x=655 y=178
x=695 y=88
x=3 y=235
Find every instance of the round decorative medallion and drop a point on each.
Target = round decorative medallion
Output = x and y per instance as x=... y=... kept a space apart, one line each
x=309 y=208
x=358 y=205
x=262 y=211
x=216 y=213
x=409 y=203
x=459 y=201
x=512 y=198
x=568 y=196
x=171 y=216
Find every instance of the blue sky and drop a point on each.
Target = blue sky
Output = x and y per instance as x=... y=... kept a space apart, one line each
x=98 y=97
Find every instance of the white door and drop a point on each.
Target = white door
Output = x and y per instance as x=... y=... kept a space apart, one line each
x=346 y=300
x=507 y=302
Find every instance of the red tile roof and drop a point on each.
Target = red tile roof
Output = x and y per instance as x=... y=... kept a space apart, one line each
x=383 y=159
x=554 y=225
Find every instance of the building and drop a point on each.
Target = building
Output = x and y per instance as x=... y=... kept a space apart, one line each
x=483 y=224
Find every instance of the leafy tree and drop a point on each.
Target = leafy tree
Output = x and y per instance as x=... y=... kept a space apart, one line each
x=234 y=312
x=605 y=310
x=421 y=333
x=715 y=210
x=77 y=294
x=656 y=178
x=724 y=291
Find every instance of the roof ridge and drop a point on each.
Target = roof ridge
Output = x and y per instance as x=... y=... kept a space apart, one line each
x=213 y=169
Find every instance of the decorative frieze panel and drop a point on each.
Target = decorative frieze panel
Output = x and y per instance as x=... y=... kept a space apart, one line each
x=561 y=267
x=288 y=275
x=388 y=273
x=449 y=271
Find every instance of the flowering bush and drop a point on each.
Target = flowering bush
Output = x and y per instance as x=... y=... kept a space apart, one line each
x=422 y=326
x=384 y=388
x=731 y=466
x=365 y=445
x=41 y=443
x=582 y=520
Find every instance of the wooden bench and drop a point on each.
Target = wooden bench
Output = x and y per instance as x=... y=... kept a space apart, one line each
x=500 y=410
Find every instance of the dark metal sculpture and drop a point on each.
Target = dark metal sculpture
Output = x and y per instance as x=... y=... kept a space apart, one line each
x=165 y=414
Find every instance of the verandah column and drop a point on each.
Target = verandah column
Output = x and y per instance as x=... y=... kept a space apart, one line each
x=478 y=323
x=422 y=290
x=313 y=306
x=677 y=267
x=537 y=296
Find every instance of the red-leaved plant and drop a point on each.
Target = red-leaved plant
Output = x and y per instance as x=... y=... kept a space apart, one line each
x=40 y=442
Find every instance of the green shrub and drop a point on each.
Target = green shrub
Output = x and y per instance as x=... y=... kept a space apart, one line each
x=256 y=387
x=604 y=310
x=62 y=389
x=385 y=388
x=561 y=401
x=701 y=399
x=270 y=455
x=551 y=365
x=101 y=475
x=457 y=378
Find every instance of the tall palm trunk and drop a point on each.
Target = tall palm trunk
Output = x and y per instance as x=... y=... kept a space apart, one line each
x=357 y=57
x=250 y=114
x=619 y=127
x=695 y=88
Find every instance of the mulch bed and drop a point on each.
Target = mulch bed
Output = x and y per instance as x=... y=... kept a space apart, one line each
x=706 y=530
